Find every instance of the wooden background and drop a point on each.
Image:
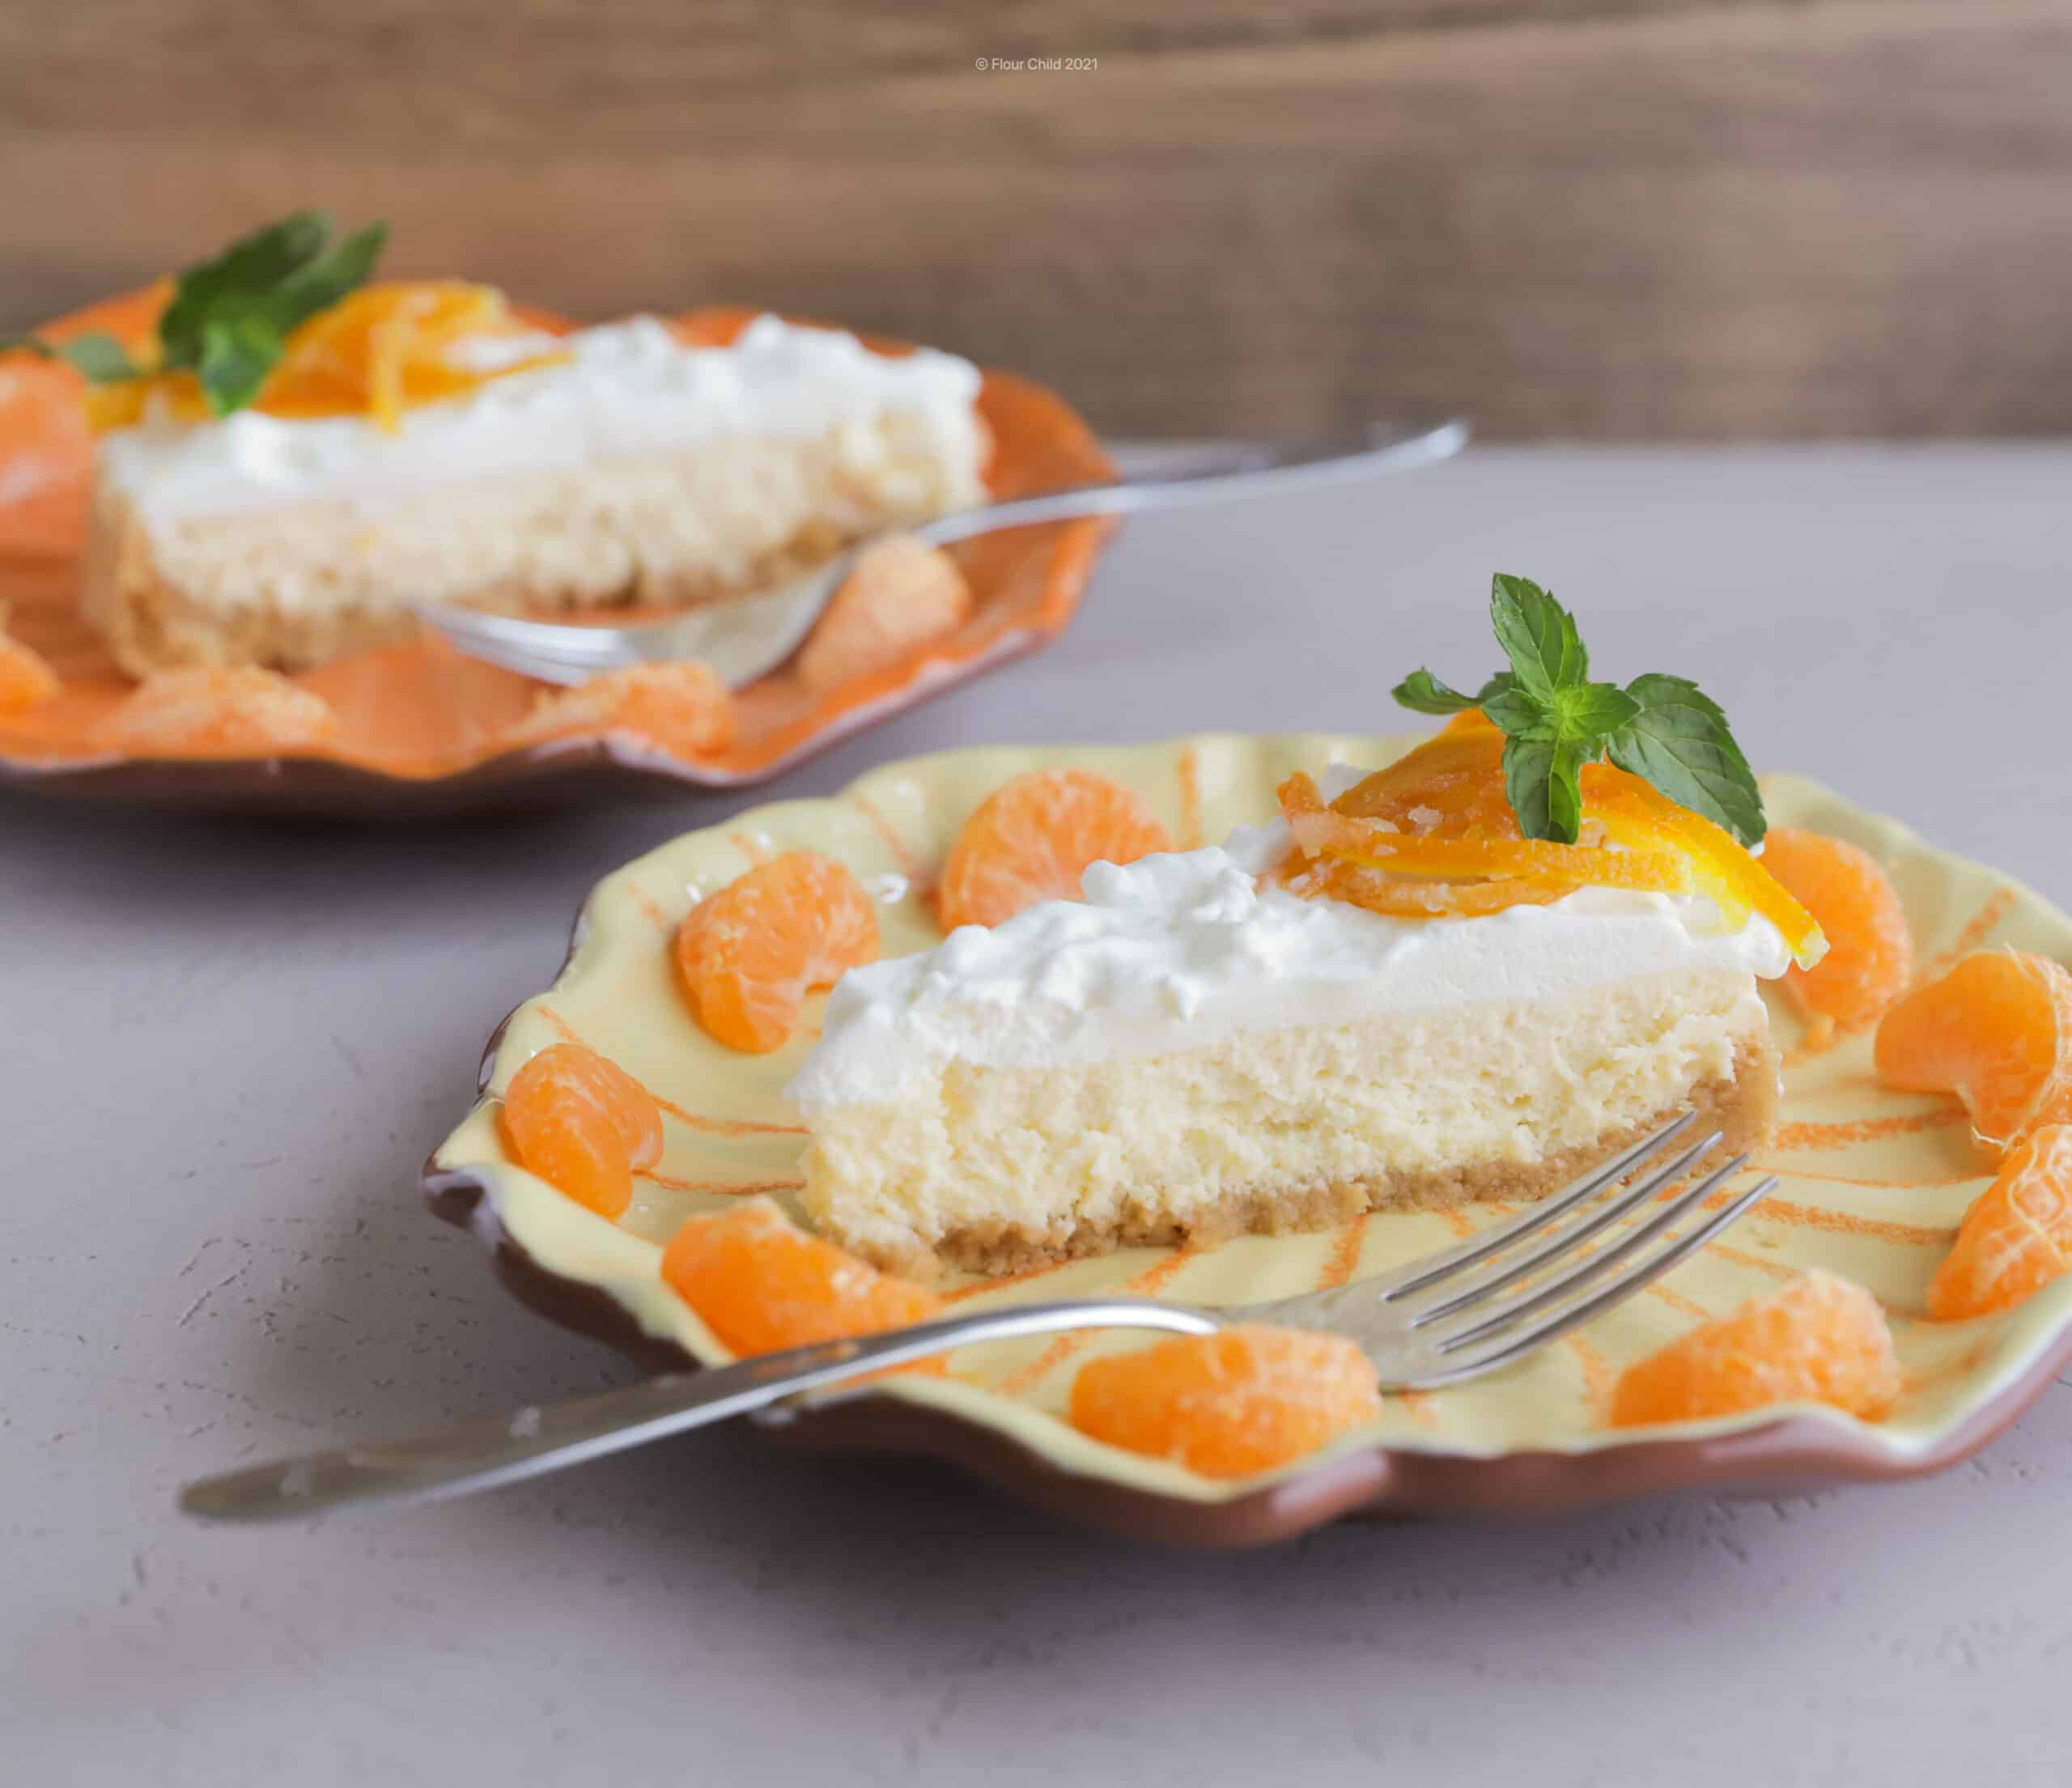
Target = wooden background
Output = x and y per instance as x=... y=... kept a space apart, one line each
x=1611 y=218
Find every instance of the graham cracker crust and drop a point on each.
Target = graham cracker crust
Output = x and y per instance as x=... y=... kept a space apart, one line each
x=1743 y=1106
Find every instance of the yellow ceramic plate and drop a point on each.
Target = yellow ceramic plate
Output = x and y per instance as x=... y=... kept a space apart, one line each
x=1874 y=1184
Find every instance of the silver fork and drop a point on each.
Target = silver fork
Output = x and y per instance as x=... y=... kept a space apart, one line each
x=747 y=636
x=1440 y=1320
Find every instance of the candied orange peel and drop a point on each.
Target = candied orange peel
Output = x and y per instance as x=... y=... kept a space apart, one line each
x=1433 y=835
x=380 y=351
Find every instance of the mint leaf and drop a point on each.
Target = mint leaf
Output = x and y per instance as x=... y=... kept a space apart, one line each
x=1424 y=694
x=1679 y=741
x=1538 y=635
x=101 y=358
x=320 y=281
x=1592 y=712
x=237 y=353
x=251 y=266
x=230 y=316
x=1543 y=780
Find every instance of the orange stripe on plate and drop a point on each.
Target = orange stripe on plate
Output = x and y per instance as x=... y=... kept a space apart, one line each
x=1844 y=1179
x=1344 y=1255
x=1147 y=1284
x=1598 y=1379
x=1975 y=930
x=649 y=910
x=909 y=865
x=1841 y=1135
x=562 y=1028
x=727 y=1127
x=1676 y=1301
x=749 y=847
x=979 y=1287
x=1741 y=1257
x=728 y=1188
x=1187 y=772
x=1816 y=1217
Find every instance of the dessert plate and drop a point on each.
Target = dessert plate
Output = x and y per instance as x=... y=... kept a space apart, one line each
x=1874 y=1183
x=421 y=723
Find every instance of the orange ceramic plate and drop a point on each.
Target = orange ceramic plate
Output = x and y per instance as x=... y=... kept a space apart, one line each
x=421 y=722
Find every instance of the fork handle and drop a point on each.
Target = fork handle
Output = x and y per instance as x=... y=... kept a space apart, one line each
x=1218 y=475
x=484 y=1453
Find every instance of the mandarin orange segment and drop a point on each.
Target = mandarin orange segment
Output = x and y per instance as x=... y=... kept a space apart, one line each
x=1246 y=1399
x=1820 y=1338
x=747 y=956
x=1997 y=1031
x=583 y=1124
x=2017 y=1236
x=1869 y=957
x=26 y=681
x=1033 y=838
x=760 y=1283
x=902 y=593
x=236 y=710
x=683 y=707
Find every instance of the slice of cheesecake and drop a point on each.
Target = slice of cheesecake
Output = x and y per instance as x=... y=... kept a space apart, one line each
x=617 y=465
x=1229 y=1040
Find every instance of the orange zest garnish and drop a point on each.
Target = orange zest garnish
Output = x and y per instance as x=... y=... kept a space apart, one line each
x=1869 y=957
x=1821 y=1338
x=380 y=351
x=1226 y=1405
x=1997 y=1031
x=1434 y=835
x=747 y=956
x=583 y=1124
x=2017 y=1236
x=759 y=1284
x=1034 y=837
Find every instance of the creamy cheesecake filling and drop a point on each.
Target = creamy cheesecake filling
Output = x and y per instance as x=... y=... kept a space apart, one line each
x=1190 y=1051
x=998 y=1166
x=626 y=390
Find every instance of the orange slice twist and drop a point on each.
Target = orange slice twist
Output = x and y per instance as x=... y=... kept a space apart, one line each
x=1033 y=838
x=747 y=956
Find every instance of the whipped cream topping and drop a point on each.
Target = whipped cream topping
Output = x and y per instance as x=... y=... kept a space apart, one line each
x=626 y=388
x=1180 y=951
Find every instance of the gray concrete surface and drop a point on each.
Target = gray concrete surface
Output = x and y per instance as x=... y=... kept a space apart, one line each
x=225 y=1048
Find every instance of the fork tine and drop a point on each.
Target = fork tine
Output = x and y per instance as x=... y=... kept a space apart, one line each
x=1642 y=1274
x=521 y=645
x=1432 y=1269
x=1488 y=1319
x=1508 y=1272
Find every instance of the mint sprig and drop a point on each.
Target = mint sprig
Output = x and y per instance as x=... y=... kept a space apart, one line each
x=230 y=316
x=1554 y=720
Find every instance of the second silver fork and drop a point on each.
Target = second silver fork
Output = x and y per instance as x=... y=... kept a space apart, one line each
x=744 y=637
x=1440 y=1320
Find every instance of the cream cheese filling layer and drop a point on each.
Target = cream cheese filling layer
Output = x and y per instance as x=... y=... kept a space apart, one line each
x=1181 y=952
x=627 y=390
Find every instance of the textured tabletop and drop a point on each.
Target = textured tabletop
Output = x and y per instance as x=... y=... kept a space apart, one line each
x=227 y=1048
